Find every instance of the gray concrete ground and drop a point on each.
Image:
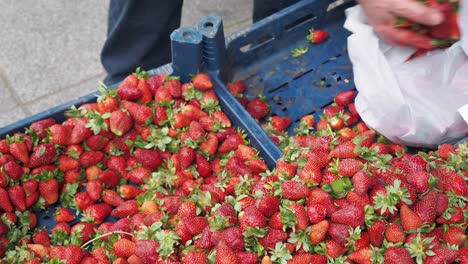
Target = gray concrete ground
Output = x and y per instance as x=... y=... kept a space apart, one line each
x=49 y=50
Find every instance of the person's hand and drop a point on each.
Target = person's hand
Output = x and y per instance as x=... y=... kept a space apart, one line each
x=383 y=16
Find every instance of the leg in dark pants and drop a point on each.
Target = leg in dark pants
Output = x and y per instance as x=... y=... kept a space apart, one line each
x=138 y=35
x=264 y=8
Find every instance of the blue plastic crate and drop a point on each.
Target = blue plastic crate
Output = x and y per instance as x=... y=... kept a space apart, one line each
x=259 y=55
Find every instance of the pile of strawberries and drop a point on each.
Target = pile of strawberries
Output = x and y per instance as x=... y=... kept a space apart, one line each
x=439 y=36
x=154 y=172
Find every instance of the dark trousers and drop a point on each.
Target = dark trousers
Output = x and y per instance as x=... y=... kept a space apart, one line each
x=138 y=33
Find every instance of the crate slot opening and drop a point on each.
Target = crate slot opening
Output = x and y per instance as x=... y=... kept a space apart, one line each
x=336 y=4
x=332 y=58
x=272 y=90
x=300 y=21
x=257 y=43
x=303 y=73
x=187 y=34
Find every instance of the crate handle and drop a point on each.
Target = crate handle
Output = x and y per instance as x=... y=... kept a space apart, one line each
x=186 y=44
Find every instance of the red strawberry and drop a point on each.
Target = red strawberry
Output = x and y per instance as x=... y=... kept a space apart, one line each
x=376 y=233
x=195 y=257
x=203 y=166
x=97 y=142
x=348 y=167
x=258 y=108
x=222 y=118
x=294 y=190
x=236 y=87
x=109 y=177
x=64 y=215
x=426 y=207
x=71 y=254
x=155 y=81
x=344 y=150
x=128 y=208
x=317 y=36
x=112 y=198
x=5 y=203
x=334 y=249
x=268 y=205
x=224 y=254
x=43 y=154
x=361 y=182
x=345 y=98
x=455 y=236
x=232 y=142
x=19 y=150
x=301 y=216
x=146 y=95
x=83 y=200
x=41 y=237
x=397 y=255
x=40 y=127
x=94 y=189
x=60 y=134
x=17 y=197
x=150 y=159
x=120 y=122
x=394 y=233
x=140 y=113
x=311 y=172
x=272 y=237
x=442 y=254
x=409 y=219
x=202 y=82
x=280 y=123
x=318 y=231
x=49 y=190
x=187 y=156
x=139 y=175
x=445 y=150
x=146 y=251
x=13 y=170
x=419 y=180
x=128 y=191
x=210 y=146
x=349 y=215
x=90 y=158
x=251 y=217
x=128 y=89
x=98 y=212
x=316 y=212
x=362 y=256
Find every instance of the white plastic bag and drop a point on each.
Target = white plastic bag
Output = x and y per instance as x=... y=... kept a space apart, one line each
x=413 y=103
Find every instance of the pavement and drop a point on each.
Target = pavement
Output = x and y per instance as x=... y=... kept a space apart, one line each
x=49 y=50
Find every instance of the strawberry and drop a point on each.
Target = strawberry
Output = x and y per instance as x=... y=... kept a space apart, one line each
x=90 y=158
x=258 y=108
x=376 y=233
x=455 y=236
x=348 y=167
x=394 y=233
x=311 y=172
x=426 y=207
x=464 y=255
x=362 y=256
x=272 y=237
x=442 y=254
x=43 y=154
x=361 y=182
x=280 y=123
x=39 y=127
x=5 y=203
x=71 y=254
x=419 y=180
x=345 y=98
x=127 y=208
x=146 y=251
x=13 y=170
x=83 y=200
x=334 y=249
x=210 y=146
x=94 y=189
x=232 y=142
x=319 y=231
x=17 y=197
x=66 y=163
x=187 y=156
x=203 y=166
x=224 y=254
x=344 y=150
x=109 y=177
x=97 y=212
x=195 y=257
x=139 y=175
x=97 y=142
x=49 y=190
x=268 y=205
x=445 y=150
x=60 y=134
x=317 y=36
x=112 y=198
x=120 y=122
x=150 y=159
x=202 y=82
x=140 y=113
x=63 y=215
x=394 y=255
x=236 y=87
x=163 y=95
x=409 y=219
x=41 y=237
x=128 y=191
x=19 y=150
x=146 y=95
x=301 y=216
x=222 y=118
x=251 y=217
x=294 y=190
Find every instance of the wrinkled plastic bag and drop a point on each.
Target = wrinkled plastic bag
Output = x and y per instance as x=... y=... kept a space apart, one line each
x=414 y=103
